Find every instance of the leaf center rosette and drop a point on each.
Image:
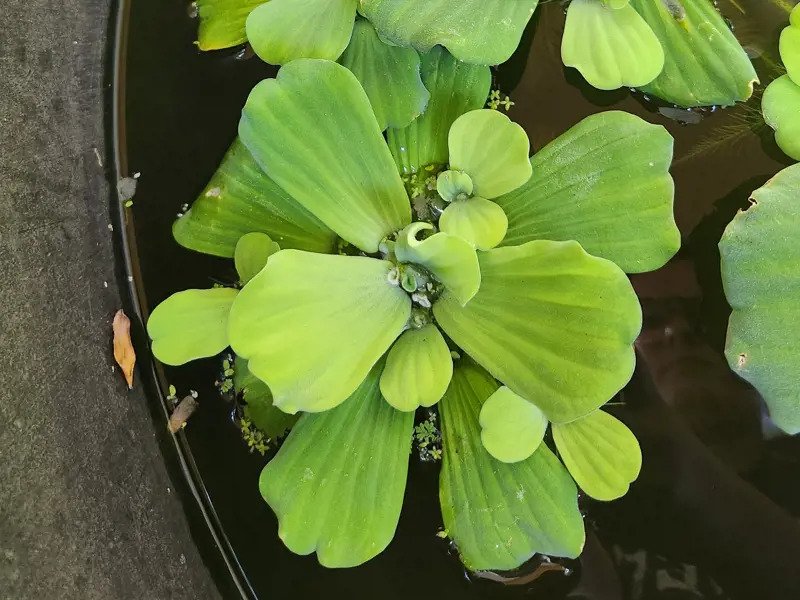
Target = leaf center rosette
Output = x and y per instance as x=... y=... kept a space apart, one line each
x=354 y=313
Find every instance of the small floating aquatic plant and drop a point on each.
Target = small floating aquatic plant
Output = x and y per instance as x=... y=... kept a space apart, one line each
x=679 y=50
x=495 y=293
x=781 y=101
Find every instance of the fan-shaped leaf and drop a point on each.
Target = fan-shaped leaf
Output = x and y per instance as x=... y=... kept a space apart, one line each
x=790 y=45
x=606 y=184
x=500 y=515
x=191 y=324
x=338 y=481
x=704 y=63
x=222 y=22
x=455 y=89
x=313 y=325
x=479 y=221
x=511 y=427
x=485 y=32
x=781 y=107
x=251 y=254
x=240 y=198
x=284 y=30
x=389 y=75
x=418 y=369
x=611 y=47
x=551 y=322
x=601 y=454
x=313 y=132
x=492 y=149
x=760 y=258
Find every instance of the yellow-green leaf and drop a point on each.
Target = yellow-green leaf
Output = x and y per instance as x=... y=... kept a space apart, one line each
x=601 y=453
x=418 y=369
x=479 y=221
x=511 y=427
x=251 y=254
x=338 y=481
x=313 y=325
x=313 y=132
x=499 y=515
x=551 y=322
x=191 y=324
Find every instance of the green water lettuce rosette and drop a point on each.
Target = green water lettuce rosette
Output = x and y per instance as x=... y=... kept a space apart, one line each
x=495 y=293
x=682 y=51
x=781 y=101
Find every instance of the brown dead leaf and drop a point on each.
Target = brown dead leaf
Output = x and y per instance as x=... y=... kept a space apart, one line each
x=123 y=348
x=182 y=412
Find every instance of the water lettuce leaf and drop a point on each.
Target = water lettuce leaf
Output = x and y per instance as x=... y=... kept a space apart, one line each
x=601 y=454
x=611 y=47
x=337 y=483
x=241 y=198
x=455 y=88
x=313 y=325
x=704 y=63
x=191 y=324
x=780 y=106
x=605 y=183
x=313 y=132
x=390 y=75
x=760 y=258
x=222 y=22
x=284 y=30
x=484 y=32
x=553 y=323
x=498 y=514
x=418 y=369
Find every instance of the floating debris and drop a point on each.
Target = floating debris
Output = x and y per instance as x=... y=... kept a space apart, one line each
x=182 y=412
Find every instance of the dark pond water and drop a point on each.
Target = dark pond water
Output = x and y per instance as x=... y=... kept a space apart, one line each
x=180 y=114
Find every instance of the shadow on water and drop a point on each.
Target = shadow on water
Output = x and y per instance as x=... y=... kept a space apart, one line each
x=182 y=110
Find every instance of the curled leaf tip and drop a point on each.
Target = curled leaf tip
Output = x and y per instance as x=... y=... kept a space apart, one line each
x=124 y=353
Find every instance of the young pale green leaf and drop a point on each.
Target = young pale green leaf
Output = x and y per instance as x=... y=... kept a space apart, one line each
x=790 y=46
x=222 y=22
x=258 y=402
x=601 y=453
x=284 y=30
x=337 y=483
x=390 y=76
x=451 y=259
x=551 y=322
x=479 y=221
x=704 y=63
x=240 y=198
x=313 y=132
x=760 y=258
x=313 y=325
x=484 y=32
x=492 y=149
x=191 y=324
x=781 y=108
x=499 y=515
x=611 y=47
x=251 y=254
x=418 y=369
x=511 y=427
x=606 y=184
x=454 y=185
x=455 y=89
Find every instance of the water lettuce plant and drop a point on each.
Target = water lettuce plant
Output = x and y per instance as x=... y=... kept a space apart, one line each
x=781 y=101
x=760 y=254
x=679 y=50
x=360 y=299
